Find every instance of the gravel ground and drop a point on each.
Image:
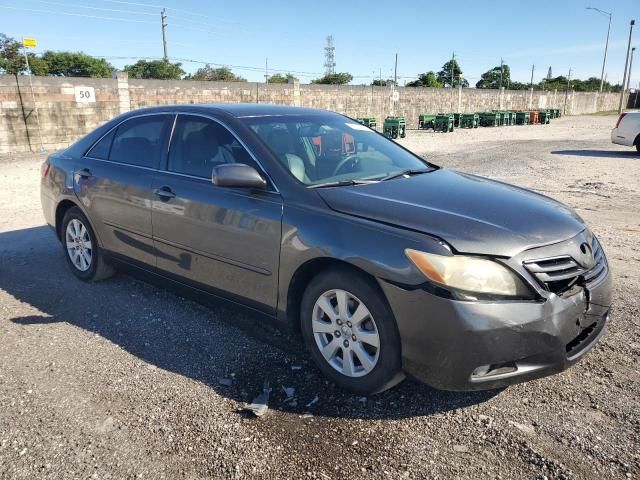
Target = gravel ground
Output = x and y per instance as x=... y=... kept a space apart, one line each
x=121 y=379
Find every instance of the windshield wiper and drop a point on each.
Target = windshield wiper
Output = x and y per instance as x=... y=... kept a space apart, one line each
x=409 y=171
x=342 y=183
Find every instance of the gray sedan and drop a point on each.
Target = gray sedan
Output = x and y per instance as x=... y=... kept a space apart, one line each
x=386 y=264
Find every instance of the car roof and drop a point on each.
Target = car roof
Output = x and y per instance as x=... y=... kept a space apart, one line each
x=239 y=110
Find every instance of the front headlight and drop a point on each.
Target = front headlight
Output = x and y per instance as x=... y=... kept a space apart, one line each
x=469 y=274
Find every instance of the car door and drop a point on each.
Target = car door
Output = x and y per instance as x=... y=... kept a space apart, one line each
x=114 y=181
x=224 y=240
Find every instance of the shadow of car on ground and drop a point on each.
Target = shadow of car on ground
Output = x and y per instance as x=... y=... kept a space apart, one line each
x=622 y=154
x=169 y=332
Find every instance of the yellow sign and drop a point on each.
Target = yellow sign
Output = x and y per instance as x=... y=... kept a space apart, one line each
x=30 y=42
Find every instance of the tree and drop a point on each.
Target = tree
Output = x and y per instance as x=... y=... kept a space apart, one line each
x=492 y=78
x=210 y=74
x=518 y=86
x=11 y=58
x=71 y=64
x=279 y=78
x=592 y=84
x=427 y=79
x=334 y=79
x=59 y=64
x=444 y=75
x=157 y=69
x=557 y=83
x=382 y=83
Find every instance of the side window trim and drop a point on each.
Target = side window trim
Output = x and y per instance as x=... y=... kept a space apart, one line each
x=113 y=129
x=94 y=144
x=164 y=166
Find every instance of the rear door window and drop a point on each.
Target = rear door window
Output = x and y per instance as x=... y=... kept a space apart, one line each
x=139 y=141
x=103 y=147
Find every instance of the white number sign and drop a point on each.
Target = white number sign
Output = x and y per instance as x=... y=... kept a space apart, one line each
x=85 y=94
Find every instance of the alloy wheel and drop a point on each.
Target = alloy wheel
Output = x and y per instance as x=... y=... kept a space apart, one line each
x=345 y=333
x=79 y=246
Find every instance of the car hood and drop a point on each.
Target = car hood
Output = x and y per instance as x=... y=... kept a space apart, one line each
x=473 y=214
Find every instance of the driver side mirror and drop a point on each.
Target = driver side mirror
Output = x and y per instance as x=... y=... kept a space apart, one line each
x=237 y=175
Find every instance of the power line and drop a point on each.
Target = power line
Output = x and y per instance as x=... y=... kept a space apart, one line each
x=171 y=9
x=76 y=5
x=117 y=10
x=237 y=67
x=130 y=20
x=116 y=19
x=149 y=5
x=49 y=12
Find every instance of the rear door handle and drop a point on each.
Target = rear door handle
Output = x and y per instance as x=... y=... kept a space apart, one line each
x=164 y=192
x=84 y=173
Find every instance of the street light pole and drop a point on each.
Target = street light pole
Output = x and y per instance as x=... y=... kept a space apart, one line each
x=633 y=49
x=626 y=65
x=606 y=45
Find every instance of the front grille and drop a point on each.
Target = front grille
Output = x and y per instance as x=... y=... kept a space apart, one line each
x=558 y=274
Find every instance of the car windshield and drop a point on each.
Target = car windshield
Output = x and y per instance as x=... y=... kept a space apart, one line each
x=334 y=150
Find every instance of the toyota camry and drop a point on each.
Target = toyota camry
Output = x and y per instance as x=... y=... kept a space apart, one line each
x=386 y=264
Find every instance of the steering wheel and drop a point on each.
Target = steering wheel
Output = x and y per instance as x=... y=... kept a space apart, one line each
x=353 y=159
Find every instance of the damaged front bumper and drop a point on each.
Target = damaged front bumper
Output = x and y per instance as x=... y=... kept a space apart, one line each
x=460 y=345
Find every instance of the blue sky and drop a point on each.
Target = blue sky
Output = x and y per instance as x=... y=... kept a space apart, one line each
x=561 y=34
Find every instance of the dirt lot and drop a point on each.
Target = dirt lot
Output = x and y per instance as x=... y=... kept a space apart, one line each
x=120 y=379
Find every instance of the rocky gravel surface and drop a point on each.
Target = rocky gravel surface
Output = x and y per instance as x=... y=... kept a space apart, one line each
x=122 y=379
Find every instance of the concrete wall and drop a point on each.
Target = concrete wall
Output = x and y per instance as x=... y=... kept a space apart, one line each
x=145 y=93
x=62 y=120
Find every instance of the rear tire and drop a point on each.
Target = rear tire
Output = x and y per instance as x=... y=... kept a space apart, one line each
x=638 y=148
x=345 y=316
x=81 y=249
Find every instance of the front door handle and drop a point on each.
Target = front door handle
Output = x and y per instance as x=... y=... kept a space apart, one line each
x=164 y=192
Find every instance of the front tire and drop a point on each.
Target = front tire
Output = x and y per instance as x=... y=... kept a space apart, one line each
x=81 y=248
x=350 y=332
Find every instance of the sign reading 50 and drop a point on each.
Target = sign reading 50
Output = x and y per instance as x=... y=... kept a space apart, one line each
x=85 y=94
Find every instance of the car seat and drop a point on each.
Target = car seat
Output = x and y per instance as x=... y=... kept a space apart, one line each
x=281 y=143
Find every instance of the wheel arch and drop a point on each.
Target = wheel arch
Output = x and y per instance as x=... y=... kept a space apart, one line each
x=306 y=273
x=637 y=140
x=61 y=209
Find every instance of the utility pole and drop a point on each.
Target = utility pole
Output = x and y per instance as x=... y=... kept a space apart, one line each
x=395 y=72
x=606 y=45
x=533 y=67
x=163 y=16
x=633 y=49
x=501 y=71
x=626 y=64
x=266 y=70
x=33 y=96
x=453 y=57
x=566 y=93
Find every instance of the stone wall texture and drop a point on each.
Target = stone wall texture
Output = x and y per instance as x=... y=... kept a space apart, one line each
x=59 y=120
